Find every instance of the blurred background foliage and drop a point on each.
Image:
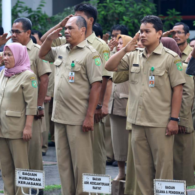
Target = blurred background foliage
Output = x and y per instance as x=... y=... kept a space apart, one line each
x=110 y=12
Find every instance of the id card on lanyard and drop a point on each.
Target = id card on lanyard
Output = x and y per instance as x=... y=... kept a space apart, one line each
x=152 y=78
x=72 y=74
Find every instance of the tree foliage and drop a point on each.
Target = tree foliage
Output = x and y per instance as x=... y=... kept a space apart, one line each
x=110 y=12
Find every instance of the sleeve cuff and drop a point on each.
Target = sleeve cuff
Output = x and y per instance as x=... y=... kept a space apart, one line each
x=98 y=79
x=179 y=82
x=31 y=111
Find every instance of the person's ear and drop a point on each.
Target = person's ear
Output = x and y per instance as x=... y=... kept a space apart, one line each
x=160 y=33
x=187 y=35
x=83 y=30
x=91 y=20
x=28 y=32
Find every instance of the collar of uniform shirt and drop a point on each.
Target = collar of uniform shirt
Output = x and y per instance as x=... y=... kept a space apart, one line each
x=186 y=50
x=91 y=38
x=80 y=45
x=158 y=50
x=29 y=45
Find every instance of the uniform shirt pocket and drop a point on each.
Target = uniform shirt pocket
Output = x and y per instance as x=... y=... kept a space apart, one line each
x=135 y=74
x=57 y=63
x=160 y=76
x=13 y=113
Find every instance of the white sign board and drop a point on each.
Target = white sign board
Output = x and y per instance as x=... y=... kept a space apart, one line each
x=93 y=183
x=169 y=187
x=30 y=179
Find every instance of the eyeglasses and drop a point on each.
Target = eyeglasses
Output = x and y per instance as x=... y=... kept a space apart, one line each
x=177 y=32
x=114 y=36
x=16 y=31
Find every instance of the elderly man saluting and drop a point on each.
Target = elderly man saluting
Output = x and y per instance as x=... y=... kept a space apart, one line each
x=77 y=87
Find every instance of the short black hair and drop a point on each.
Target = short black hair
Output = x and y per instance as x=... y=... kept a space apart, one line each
x=81 y=22
x=122 y=28
x=155 y=20
x=98 y=30
x=186 y=28
x=89 y=10
x=33 y=39
x=26 y=23
x=37 y=32
x=1 y=30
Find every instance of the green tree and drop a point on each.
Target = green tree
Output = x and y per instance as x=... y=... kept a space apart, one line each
x=126 y=12
x=172 y=17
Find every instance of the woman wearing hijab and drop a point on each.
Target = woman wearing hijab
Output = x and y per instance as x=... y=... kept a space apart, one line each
x=18 y=105
x=117 y=111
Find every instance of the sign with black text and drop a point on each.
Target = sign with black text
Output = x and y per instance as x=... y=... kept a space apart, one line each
x=169 y=187
x=93 y=183
x=30 y=179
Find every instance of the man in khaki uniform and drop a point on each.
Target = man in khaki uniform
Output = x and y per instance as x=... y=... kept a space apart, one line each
x=181 y=34
x=183 y=142
x=154 y=104
x=47 y=102
x=90 y=14
x=77 y=87
x=21 y=31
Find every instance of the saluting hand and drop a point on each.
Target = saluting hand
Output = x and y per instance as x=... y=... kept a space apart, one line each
x=88 y=124
x=4 y=39
x=112 y=44
x=172 y=128
x=55 y=34
x=131 y=46
x=65 y=20
x=27 y=133
x=167 y=33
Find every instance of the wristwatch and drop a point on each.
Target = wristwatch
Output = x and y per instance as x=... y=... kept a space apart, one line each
x=98 y=107
x=175 y=119
x=39 y=108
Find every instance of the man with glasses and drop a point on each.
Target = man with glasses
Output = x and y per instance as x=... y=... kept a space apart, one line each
x=21 y=32
x=181 y=35
x=116 y=30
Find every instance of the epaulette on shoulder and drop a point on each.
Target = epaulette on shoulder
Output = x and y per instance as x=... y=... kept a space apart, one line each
x=171 y=52
x=100 y=40
x=91 y=48
x=38 y=46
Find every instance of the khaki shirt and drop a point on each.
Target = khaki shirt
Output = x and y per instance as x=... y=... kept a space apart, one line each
x=100 y=46
x=118 y=100
x=187 y=102
x=186 y=53
x=151 y=106
x=37 y=65
x=18 y=98
x=71 y=99
x=50 y=88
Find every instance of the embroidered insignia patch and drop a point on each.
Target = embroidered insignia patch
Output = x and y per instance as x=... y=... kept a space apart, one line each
x=106 y=56
x=34 y=83
x=179 y=66
x=97 y=61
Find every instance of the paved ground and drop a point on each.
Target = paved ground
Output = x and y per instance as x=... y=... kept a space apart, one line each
x=52 y=175
x=51 y=170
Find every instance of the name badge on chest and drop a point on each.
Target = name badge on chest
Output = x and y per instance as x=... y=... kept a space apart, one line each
x=151 y=81
x=71 y=77
x=152 y=78
x=72 y=74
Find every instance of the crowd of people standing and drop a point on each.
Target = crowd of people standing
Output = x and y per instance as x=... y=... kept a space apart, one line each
x=124 y=101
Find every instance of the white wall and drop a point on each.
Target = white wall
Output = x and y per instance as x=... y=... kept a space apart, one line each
x=48 y=9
